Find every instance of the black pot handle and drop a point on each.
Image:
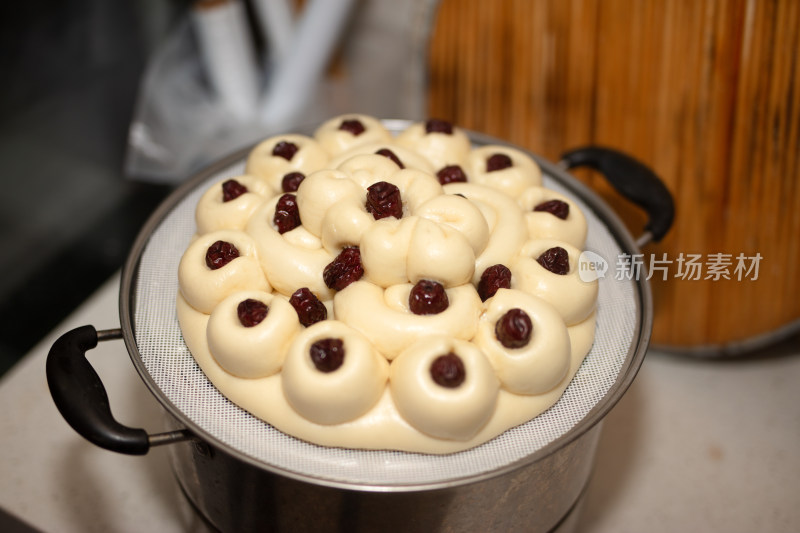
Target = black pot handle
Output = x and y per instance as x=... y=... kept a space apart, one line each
x=82 y=400
x=634 y=180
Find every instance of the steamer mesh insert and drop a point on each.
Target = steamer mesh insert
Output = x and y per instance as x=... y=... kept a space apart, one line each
x=173 y=370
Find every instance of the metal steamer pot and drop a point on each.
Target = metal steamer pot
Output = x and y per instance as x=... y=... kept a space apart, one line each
x=236 y=489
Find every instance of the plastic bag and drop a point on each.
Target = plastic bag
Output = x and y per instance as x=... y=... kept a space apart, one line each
x=180 y=126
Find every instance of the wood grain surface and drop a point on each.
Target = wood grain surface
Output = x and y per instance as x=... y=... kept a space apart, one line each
x=704 y=92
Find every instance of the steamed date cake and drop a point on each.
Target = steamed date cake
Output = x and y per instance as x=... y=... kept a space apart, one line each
x=410 y=292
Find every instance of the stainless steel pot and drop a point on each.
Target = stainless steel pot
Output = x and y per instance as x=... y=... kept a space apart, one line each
x=236 y=491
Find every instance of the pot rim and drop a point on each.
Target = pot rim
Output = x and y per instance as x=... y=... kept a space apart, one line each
x=626 y=375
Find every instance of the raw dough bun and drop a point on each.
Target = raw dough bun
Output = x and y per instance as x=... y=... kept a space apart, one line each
x=408 y=158
x=504 y=219
x=382 y=427
x=414 y=248
x=345 y=218
x=416 y=188
x=319 y=192
x=272 y=168
x=257 y=351
x=448 y=413
x=345 y=223
x=336 y=141
x=544 y=225
x=343 y=394
x=541 y=364
x=384 y=318
x=523 y=172
x=204 y=288
x=384 y=250
x=460 y=214
x=292 y=260
x=383 y=396
x=440 y=149
x=365 y=168
x=214 y=214
x=440 y=253
x=573 y=298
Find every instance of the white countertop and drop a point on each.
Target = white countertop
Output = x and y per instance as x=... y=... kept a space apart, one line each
x=693 y=446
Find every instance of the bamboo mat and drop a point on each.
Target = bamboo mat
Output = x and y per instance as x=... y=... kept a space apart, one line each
x=705 y=92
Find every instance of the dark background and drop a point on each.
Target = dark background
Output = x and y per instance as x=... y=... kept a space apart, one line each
x=68 y=215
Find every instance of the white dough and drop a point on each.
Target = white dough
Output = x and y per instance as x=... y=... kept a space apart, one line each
x=309 y=157
x=440 y=149
x=343 y=394
x=214 y=214
x=543 y=225
x=337 y=141
x=541 y=364
x=523 y=172
x=251 y=352
x=384 y=396
x=203 y=287
x=572 y=297
x=449 y=413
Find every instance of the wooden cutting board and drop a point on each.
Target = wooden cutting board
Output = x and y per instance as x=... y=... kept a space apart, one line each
x=706 y=93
